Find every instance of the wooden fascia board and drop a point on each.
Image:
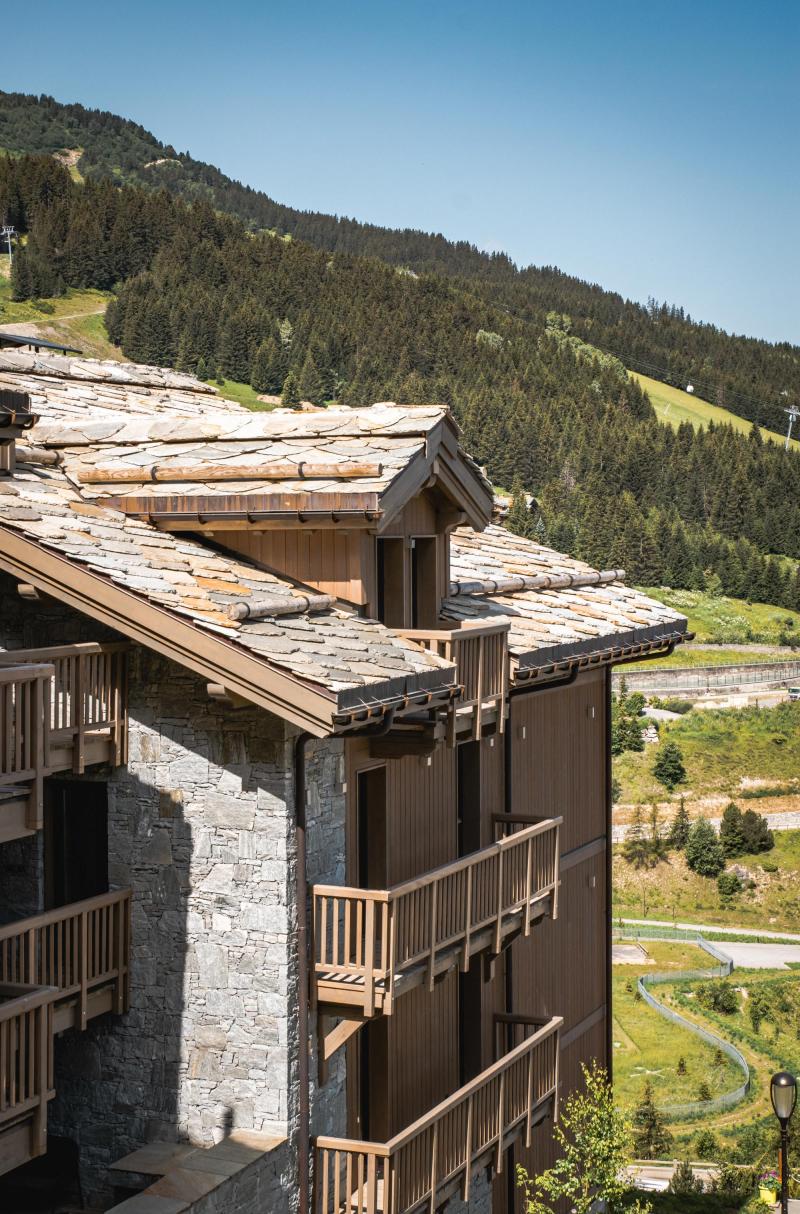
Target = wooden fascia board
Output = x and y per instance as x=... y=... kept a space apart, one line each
x=217 y=660
x=406 y=485
x=463 y=487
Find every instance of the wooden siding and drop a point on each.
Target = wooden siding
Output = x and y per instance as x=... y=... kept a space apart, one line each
x=333 y=561
x=542 y=1153
x=558 y=757
x=560 y=969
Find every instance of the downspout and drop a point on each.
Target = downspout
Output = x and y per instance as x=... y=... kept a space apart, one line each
x=609 y=882
x=301 y=897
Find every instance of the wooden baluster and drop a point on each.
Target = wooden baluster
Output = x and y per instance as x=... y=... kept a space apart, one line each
x=432 y=934
x=369 y=958
x=556 y=870
x=391 y=965
x=467 y=1153
x=84 y=966
x=434 y=1149
x=500 y=1123
x=498 y=935
x=78 y=742
x=528 y=890
x=119 y=991
x=467 y=918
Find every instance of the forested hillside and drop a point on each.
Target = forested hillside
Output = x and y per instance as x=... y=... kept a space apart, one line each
x=753 y=378
x=198 y=290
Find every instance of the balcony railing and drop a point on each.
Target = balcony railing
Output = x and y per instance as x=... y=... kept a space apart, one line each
x=441 y=1152
x=25 y=732
x=25 y=1037
x=370 y=944
x=61 y=708
x=57 y=970
x=74 y=951
x=480 y=655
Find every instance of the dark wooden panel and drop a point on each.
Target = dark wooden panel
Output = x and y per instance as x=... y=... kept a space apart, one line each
x=542 y=1153
x=560 y=969
x=423 y=1065
x=558 y=757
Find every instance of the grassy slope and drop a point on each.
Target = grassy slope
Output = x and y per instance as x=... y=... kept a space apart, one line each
x=685 y=657
x=648 y=1047
x=720 y=620
x=671 y=891
x=720 y=748
x=77 y=320
x=674 y=406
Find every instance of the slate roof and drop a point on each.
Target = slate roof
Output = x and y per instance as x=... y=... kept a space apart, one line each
x=98 y=419
x=358 y=659
x=136 y=425
x=548 y=624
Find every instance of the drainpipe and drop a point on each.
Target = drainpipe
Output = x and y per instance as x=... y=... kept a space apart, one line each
x=301 y=897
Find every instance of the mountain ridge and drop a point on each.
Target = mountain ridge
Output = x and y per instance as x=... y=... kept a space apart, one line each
x=751 y=377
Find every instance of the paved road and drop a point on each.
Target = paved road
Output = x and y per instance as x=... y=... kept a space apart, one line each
x=711 y=927
x=761 y=956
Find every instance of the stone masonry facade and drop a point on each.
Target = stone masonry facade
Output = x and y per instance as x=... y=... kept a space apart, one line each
x=201 y=826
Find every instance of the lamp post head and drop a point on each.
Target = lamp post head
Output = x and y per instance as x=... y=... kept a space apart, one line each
x=783 y=1092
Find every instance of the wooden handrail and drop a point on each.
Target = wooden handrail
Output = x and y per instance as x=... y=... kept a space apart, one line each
x=479 y=652
x=15 y=657
x=50 y=961
x=72 y=950
x=368 y=938
x=84 y=692
x=440 y=1151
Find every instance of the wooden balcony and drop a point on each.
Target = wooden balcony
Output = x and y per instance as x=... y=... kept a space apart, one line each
x=440 y=1154
x=61 y=709
x=369 y=946
x=57 y=971
x=480 y=655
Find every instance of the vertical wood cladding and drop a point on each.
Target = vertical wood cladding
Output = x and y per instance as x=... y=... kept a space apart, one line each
x=558 y=766
x=330 y=560
x=560 y=969
x=542 y=1152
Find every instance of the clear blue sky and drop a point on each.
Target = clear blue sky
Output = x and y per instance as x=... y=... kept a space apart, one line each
x=651 y=147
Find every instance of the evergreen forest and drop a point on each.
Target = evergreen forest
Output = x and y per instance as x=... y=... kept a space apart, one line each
x=542 y=408
x=753 y=378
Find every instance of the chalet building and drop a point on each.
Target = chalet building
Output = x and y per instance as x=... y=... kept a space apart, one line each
x=304 y=804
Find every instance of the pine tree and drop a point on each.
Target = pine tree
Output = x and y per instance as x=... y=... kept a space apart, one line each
x=651 y=1138
x=290 y=394
x=703 y=850
x=267 y=370
x=679 y=830
x=309 y=384
x=21 y=276
x=519 y=518
x=636 y=848
x=683 y=1181
x=668 y=766
x=731 y=835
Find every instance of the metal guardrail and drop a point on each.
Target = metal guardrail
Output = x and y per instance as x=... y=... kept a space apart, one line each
x=723 y=969
x=675 y=680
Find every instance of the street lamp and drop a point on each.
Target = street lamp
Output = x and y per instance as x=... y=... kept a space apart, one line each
x=783 y=1093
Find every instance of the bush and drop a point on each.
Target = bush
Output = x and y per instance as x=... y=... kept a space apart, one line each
x=734 y=1182
x=684 y=1181
x=703 y=850
x=675 y=705
x=704 y=1091
x=707 y=1147
x=718 y=996
x=728 y=884
x=769 y=866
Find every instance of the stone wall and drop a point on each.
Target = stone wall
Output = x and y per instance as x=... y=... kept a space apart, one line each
x=201 y=826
